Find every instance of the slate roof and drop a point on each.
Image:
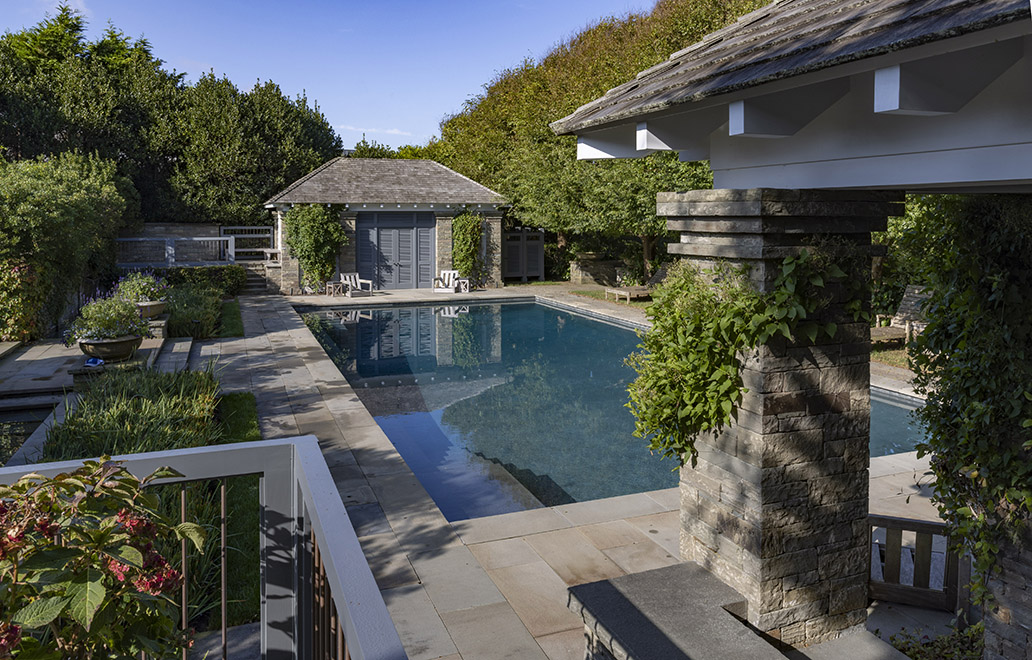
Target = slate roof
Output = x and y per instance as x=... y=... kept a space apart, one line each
x=384 y=180
x=788 y=38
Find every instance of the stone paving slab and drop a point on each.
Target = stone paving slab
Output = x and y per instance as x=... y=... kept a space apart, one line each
x=480 y=632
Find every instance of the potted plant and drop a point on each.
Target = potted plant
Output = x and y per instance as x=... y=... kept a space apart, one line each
x=147 y=291
x=109 y=328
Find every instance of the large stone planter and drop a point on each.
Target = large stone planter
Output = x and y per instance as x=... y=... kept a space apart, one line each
x=151 y=308
x=111 y=350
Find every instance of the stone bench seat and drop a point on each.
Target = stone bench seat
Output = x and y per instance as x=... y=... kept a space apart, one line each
x=673 y=613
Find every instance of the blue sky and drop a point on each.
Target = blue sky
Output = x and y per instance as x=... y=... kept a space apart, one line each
x=389 y=68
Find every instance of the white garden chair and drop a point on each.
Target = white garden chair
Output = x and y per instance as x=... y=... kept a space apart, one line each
x=350 y=285
x=450 y=282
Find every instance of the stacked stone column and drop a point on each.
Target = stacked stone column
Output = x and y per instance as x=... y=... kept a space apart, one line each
x=777 y=504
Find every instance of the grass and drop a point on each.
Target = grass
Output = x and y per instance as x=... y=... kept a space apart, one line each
x=136 y=411
x=895 y=357
x=238 y=416
x=7 y=443
x=600 y=295
x=231 y=325
x=537 y=283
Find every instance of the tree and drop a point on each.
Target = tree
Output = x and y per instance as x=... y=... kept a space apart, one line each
x=501 y=137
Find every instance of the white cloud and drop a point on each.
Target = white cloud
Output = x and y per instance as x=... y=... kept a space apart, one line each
x=382 y=131
x=50 y=6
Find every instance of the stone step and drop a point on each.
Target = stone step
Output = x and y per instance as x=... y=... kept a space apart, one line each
x=175 y=354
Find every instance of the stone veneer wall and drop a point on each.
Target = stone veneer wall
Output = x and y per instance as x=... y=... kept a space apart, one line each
x=443 y=251
x=777 y=504
x=1008 y=621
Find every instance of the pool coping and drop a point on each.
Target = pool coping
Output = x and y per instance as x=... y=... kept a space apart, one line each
x=430 y=570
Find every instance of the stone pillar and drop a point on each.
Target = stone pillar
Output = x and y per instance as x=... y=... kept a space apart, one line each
x=347 y=257
x=777 y=505
x=1008 y=619
x=444 y=243
x=493 y=251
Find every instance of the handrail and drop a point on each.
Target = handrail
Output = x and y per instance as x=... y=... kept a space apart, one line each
x=299 y=501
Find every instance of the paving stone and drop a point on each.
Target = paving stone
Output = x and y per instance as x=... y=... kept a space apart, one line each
x=612 y=508
x=509 y=525
x=566 y=645
x=612 y=534
x=538 y=596
x=662 y=528
x=420 y=627
x=506 y=552
x=387 y=560
x=454 y=580
x=641 y=557
x=573 y=557
x=368 y=519
x=668 y=498
x=492 y=631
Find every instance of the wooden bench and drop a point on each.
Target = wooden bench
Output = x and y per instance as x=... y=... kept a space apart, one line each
x=907 y=321
x=629 y=292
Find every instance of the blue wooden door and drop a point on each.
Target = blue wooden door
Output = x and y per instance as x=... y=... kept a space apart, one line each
x=396 y=250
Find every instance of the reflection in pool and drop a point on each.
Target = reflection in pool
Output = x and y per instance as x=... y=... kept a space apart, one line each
x=502 y=407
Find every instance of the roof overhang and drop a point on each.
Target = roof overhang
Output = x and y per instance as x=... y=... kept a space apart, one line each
x=951 y=114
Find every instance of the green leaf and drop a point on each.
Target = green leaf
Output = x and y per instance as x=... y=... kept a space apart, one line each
x=40 y=612
x=53 y=559
x=810 y=330
x=831 y=329
x=86 y=594
x=192 y=532
x=127 y=555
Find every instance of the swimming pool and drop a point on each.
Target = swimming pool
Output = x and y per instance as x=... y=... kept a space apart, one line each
x=505 y=407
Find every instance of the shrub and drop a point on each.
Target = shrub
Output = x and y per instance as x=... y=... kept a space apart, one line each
x=228 y=280
x=467 y=236
x=22 y=296
x=139 y=287
x=315 y=235
x=107 y=318
x=194 y=311
x=967 y=644
x=58 y=215
x=80 y=567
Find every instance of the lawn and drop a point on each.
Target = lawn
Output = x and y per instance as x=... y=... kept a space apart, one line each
x=231 y=325
x=895 y=357
x=600 y=295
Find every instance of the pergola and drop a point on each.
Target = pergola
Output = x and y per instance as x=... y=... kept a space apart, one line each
x=816 y=116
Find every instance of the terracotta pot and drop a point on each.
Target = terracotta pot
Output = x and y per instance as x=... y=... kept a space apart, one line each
x=111 y=350
x=151 y=308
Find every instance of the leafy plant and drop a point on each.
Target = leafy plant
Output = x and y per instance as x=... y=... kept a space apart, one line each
x=973 y=363
x=229 y=280
x=315 y=235
x=140 y=287
x=689 y=379
x=80 y=570
x=467 y=236
x=966 y=644
x=194 y=311
x=23 y=294
x=107 y=318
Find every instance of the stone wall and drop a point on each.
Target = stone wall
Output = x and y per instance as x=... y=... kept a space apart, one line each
x=777 y=504
x=1008 y=621
x=443 y=251
x=493 y=252
x=592 y=271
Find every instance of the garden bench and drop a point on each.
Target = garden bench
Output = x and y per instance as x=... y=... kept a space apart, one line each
x=908 y=320
x=636 y=292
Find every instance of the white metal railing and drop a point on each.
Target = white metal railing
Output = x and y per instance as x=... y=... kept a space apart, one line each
x=252 y=243
x=319 y=598
x=168 y=252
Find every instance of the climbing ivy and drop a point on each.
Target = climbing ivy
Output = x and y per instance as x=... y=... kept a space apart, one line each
x=974 y=366
x=467 y=234
x=314 y=234
x=689 y=372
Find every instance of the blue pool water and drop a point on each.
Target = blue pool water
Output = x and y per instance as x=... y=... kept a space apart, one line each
x=503 y=407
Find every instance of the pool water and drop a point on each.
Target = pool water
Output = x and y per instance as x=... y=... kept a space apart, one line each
x=505 y=407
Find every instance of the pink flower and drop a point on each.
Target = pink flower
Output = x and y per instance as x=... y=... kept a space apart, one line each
x=10 y=635
x=118 y=569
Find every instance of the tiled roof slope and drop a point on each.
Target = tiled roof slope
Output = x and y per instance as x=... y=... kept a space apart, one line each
x=384 y=180
x=788 y=38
